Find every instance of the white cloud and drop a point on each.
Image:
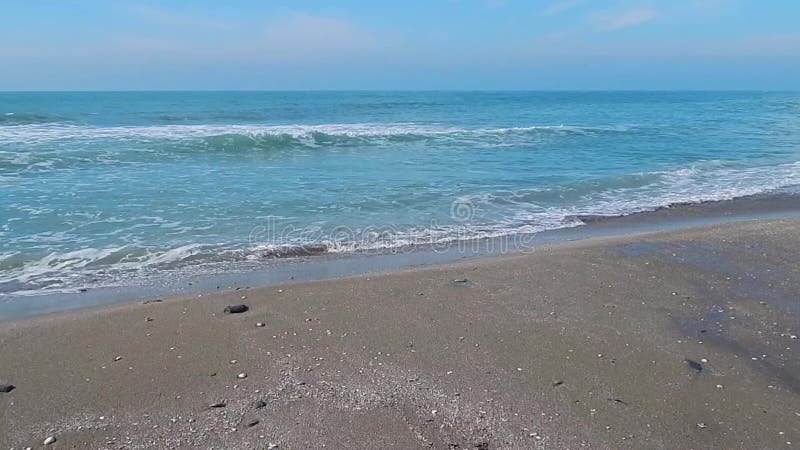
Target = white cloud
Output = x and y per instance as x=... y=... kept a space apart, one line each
x=295 y=38
x=625 y=19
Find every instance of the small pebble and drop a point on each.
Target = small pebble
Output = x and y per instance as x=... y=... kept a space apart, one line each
x=242 y=375
x=118 y=358
x=50 y=440
x=236 y=309
x=6 y=388
x=260 y=324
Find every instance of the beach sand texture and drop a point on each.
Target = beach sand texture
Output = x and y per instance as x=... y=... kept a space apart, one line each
x=683 y=339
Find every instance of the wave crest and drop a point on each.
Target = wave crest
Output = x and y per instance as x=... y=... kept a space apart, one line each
x=306 y=134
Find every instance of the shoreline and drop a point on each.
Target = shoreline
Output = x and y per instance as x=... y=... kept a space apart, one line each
x=676 y=339
x=272 y=272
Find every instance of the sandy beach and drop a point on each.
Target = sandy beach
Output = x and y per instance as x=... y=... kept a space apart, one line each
x=681 y=339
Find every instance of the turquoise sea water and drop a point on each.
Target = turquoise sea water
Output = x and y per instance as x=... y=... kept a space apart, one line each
x=100 y=188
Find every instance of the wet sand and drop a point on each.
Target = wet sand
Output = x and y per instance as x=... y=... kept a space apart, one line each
x=681 y=339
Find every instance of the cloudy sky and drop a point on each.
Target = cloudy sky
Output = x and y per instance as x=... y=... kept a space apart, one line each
x=408 y=44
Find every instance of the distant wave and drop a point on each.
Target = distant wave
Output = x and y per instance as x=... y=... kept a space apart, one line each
x=312 y=135
x=13 y=118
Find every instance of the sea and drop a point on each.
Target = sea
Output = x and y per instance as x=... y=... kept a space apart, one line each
x=103 y=189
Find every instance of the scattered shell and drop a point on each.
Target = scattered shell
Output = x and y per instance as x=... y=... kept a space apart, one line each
x=118 y=358
x=702 y=425
x=242 y=375
x=50 y=440
x=260 y=324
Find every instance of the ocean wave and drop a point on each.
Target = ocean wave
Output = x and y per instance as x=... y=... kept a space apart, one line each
x=17 y=119
x=312 y=135
x=70 y=270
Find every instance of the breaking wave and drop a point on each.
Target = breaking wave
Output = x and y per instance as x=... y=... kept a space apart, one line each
x=314 y=135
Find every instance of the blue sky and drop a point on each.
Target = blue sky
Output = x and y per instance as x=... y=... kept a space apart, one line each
x=410 y=44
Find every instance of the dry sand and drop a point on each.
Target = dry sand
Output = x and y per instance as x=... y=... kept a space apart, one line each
x=680 y=340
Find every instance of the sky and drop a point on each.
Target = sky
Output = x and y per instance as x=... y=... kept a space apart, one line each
x=404 y=45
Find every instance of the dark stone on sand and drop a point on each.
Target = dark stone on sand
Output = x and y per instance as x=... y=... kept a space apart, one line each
x=6 y=388
x=156 y=300
x=558 y=383
x=694 y=365
x=463 y=282
x=83 y=289
x=616 y=400
x=260 y=404
x=219 y=405
x=236 y=309
x=253 y=423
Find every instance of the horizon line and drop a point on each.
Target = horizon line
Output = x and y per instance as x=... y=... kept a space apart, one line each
x=34 y=91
